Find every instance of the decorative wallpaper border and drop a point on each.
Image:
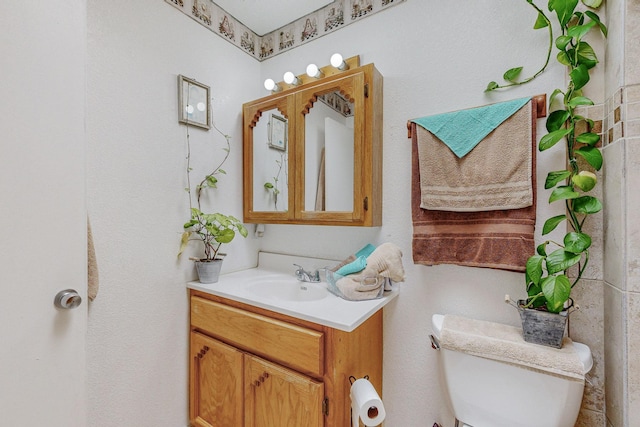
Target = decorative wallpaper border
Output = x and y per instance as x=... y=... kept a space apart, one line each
x=330 y=18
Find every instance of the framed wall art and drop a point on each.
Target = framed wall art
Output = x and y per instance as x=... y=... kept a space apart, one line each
x=193 y=103
x=278 y=132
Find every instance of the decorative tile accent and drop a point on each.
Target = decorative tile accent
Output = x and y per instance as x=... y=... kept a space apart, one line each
x=303 y=30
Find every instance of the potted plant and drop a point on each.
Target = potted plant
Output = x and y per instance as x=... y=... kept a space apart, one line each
x=212 y=229
x=547 y=284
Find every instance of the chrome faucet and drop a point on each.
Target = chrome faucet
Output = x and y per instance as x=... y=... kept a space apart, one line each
x=306 y=276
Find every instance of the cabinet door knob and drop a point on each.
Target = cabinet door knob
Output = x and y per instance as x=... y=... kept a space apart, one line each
x=266 y=374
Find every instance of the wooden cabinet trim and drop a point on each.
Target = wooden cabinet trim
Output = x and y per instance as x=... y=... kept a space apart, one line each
x=290 y=345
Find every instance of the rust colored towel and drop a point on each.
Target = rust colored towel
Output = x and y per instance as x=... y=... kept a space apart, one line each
x=501 y=239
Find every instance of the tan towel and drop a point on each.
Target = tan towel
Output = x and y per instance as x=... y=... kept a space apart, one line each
x=496 y=174
x=92 y=266
x=384 y=262
x=504 y=343
x=501 y=239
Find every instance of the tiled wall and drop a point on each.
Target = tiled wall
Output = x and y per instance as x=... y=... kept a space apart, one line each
x=609 y=293
x=622 y=247
x=621 y=226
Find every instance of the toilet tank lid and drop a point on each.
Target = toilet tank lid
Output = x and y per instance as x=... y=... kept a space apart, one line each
x=583 y=351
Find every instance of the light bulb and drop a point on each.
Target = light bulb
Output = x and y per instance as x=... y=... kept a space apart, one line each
x=314 y=71
x=338 y=62
x=290 y=78
x=269 y=84
x=200 y=106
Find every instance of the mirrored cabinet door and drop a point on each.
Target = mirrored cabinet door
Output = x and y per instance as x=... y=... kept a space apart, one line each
x=267 y=149
x=327 y=117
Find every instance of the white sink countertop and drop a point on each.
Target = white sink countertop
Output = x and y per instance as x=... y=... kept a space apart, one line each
x=329 y=310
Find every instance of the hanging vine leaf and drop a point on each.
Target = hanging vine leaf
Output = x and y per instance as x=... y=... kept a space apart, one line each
x=588 y=138
x=551 y=223
x=576 y=243
x=579 y=100
x=592 y=3
x=587 y=205
x=556 y=120
x=564 y=192
x=541 y=22
x=512 y=74
x=585 y=180
x=564 y=9
x=552 y=138
x=542 y=249
x=555 y=177
x=593 y=16
x=492 y=86
x=586 y=55
x=592 y=155
x=579 y=31
x=579 y=76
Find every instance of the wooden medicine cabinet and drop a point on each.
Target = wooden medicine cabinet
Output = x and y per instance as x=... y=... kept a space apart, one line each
x=313 y=153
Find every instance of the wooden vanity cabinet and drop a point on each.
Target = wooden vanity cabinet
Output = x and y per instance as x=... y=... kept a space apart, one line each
x=256 y=368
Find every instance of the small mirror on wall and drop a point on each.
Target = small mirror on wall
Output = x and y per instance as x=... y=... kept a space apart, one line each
x=193 y=103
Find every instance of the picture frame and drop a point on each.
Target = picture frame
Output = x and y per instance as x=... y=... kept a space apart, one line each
x=193 y=103
x=278 y=132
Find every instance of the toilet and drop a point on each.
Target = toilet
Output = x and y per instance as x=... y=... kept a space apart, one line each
x=483 y=392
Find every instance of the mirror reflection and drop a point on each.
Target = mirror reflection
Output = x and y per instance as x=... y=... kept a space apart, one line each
x=329 y=154
x=270 y=164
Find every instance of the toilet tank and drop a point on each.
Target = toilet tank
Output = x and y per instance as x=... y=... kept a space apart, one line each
x=489 y=393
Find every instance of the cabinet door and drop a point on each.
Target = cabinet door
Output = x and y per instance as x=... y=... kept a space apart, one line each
x=215 y=392
x=278 y=397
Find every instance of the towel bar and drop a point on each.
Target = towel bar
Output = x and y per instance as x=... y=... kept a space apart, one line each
x=540 y=102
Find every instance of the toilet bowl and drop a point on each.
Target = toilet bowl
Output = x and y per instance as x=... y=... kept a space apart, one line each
x=483 y=392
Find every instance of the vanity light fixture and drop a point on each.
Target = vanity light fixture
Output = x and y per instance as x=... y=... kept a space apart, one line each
x=314 y=72
x=291 y=79
x=272 y=86
x=338 y=62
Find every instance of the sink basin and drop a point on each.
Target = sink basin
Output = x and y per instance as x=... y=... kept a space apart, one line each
x=287 y=289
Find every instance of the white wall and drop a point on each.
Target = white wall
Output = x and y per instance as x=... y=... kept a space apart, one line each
x=434 y=58
x=138 y=324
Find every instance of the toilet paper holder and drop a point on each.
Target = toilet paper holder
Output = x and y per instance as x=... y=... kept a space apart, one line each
x=375 y=412
x=353 y=379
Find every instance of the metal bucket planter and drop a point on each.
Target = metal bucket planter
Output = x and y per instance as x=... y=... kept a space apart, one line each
x=542 y=327
x=209 y=270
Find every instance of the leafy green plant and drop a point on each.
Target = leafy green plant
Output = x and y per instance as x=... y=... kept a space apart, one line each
x=547 y=283
x=213 y=229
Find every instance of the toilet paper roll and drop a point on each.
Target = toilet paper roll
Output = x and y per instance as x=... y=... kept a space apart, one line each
x=366 y=402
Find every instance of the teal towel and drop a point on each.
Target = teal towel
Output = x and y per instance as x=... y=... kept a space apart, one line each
x=366 y=251
x=353 y=267
x=462 y=130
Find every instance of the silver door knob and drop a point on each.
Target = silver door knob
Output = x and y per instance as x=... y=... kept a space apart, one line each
x=67 y=299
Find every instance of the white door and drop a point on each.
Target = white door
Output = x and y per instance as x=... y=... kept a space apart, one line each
x=42 y=212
